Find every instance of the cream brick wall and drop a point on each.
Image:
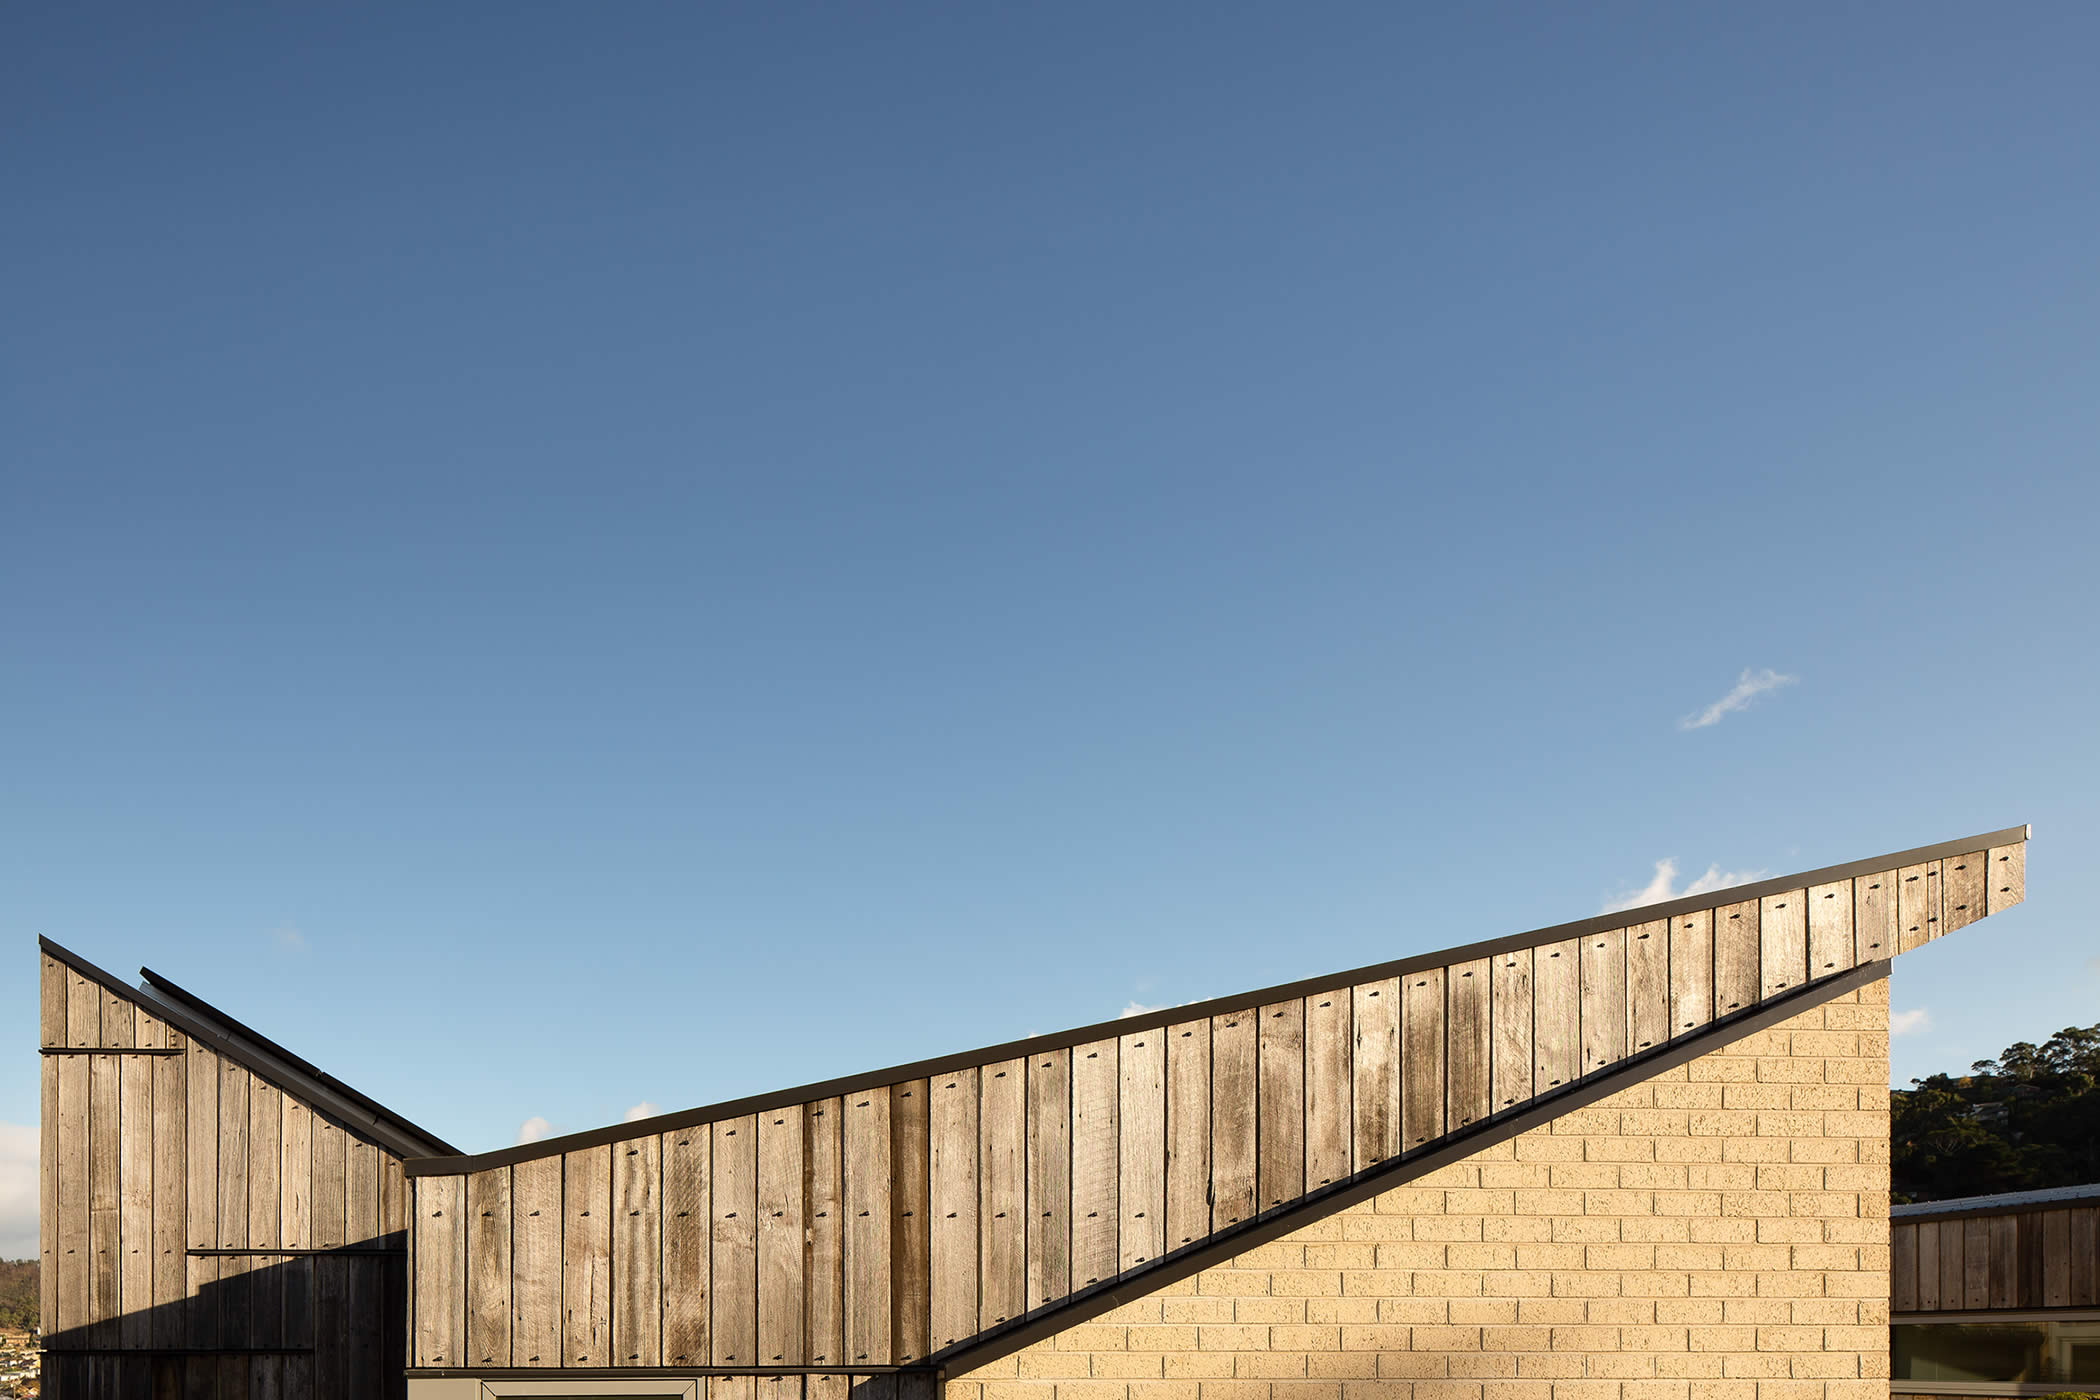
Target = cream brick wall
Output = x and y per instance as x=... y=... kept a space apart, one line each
x=1718 y=1232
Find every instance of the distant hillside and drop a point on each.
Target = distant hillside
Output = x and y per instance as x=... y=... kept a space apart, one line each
x=18 y=1294
x=2026 y=1120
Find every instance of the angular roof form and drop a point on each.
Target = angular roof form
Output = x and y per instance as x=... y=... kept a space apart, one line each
x=937 y=1215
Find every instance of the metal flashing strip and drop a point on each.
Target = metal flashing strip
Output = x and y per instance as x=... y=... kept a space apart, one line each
x=1216 y=1248
x=382 y=1127
x=735 y=1108
x=106 y=1050
x=670 y=1373
x=2004 y=1203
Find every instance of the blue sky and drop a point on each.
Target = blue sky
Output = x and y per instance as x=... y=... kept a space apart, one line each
x=557 y=559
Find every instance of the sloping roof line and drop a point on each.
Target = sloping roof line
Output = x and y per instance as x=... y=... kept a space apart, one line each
x=2004 y=1203
x=1216 y=1248
x=1127 y=1025
x=258 y=1054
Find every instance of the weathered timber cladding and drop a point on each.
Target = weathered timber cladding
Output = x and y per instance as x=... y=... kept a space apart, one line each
x=178 y=1217
x=934 y=1206
x=2029 y=1257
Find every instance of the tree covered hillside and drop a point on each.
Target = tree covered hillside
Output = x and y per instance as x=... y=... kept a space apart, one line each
x=2026 y=1120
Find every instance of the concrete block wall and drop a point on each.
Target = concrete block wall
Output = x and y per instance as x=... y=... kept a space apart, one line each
x=1718 y=1232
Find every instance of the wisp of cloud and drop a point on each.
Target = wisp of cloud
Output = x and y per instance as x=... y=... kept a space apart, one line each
x=1748 y=687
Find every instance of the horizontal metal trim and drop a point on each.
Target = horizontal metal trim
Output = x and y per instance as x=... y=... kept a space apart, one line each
x=1398 y=1171
x=396 y=1252
x=668 y=1373
x=1196 y=1011
x=1982 y=1316
x=106 y=1050
x=289 y=1077
x=176 y=1351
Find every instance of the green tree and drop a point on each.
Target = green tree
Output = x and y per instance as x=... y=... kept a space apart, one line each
x=2026 y=1120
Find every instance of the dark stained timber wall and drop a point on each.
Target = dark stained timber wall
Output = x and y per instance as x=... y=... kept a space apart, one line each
x=2023 y=1259
x=204 y=1232
x=898 y=1221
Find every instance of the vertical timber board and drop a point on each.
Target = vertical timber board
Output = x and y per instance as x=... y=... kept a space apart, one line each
x=1830 y=928
x=1903 y=1267
x=1141 y=1157
x=1647 y=985
x=331 y=1148
x=2005 y=1272
x=135 y=1238
x=586 y=1250
x=1691 y=971
x=952 y=1111
x=1928 y=1255
x=733 y=1282
x=440 y=1291
x=688 y=1213
x=295 y=1217
x=637 y=1249
x=2056 y=1258
x=1976 y=1263
x=1950 y=1264
x=1049 y=1191
x=911 y=1206
x=364 y=1312
x=1002 y=1184
x=71 y=1192
x=535 y=1269
x=1556 y=988
x=1917 y=905
x=105 y=1164
x=1782 y=931
x=170 y=1207
x=1874 y=916
x=1328 y=1089
x=201 y=1208
x=83 y=1012
x=51 y=1012
x=1603 y=970
x=236 y=1305
x=331 y=1354
x=1422 y=1064
x=1188 y=1132
x=826 y=1266
x=1280 y=1111
x=782 y=1236
x=1470 y=1044
x=1736 y=957
x=866 y=1126
x=2006 y=878
x=265 y=1283
x=2085 y=1256
x=1510 y=1075
x=1962 y=890
x=1094 y=1149
x=488 y=1227
x=360 y=1194
x=1234 y=1096
x=1374 y=1111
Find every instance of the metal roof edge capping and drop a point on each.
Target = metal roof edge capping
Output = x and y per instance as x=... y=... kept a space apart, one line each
x=262 y=1057
x=165 y=991
x=1434 y=958
x=1193 y=1259
x=2002 y=1203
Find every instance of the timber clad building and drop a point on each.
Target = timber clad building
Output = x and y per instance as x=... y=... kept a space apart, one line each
x=1643 y=1156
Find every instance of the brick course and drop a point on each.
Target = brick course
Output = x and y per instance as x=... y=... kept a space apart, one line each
x=1717 y=1232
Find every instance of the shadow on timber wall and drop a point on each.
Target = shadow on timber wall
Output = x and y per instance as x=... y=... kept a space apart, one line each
x=266 y=1327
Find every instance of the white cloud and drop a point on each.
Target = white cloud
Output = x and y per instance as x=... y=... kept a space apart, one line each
x=1748 y=687
x=1904 y=1022
x=289 y=937
x=644 y=1109
x=1664 y=885
x=1138 y=1008
x=18 y=1152
x=533 y=1129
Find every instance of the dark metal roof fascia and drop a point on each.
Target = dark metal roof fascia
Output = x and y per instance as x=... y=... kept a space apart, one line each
x=166 y=992
x=1217 y=1248
x=287 y=1072
x=1196 y=1011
